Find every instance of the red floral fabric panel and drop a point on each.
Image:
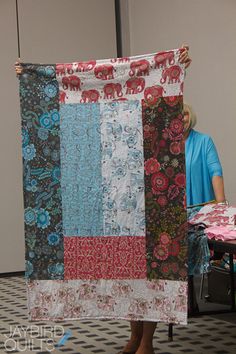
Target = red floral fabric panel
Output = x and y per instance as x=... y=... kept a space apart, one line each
x=164 y=181
x=118 y=257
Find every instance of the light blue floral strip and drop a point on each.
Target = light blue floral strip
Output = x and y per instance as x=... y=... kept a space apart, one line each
x=123 y=169
x=81 y=170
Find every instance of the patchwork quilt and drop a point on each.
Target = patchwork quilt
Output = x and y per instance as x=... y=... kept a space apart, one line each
x=104 y=189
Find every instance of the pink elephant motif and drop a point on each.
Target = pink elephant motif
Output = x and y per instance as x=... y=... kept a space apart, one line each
x=104 y=72
x=43 y=299
x=157 y=286
x=85 y=65
x=139 y=68
x=157 y=303
x=220 y=219
x=72 y=82
x=105 y=302
x=70 y=310
x=120 y=60
x=172 y=74
x=60 y=69
x=134 y=85
x=65 y=82
x=112 y=89
x=180 y=303
x=67 y=294
x=151 y=94
x=139 y=306
x=161 y=59
x=39 y=312
x=89 y=96
x=77 y=311
x=62 y=97
x=69 y=69
x=87 y=292
x=121 y=289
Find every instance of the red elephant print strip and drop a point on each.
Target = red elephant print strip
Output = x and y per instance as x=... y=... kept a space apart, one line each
x=104 y=189
x=145 y=76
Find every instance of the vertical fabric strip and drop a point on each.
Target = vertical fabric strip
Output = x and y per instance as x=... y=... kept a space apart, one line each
x=165 y=189
x=122 y=169
x=41 y=172
x=81 y=170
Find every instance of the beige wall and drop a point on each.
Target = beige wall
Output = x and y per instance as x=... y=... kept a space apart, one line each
x=51 y=31
x=209 y=27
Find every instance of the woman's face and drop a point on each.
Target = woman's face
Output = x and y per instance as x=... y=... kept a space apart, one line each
x=186 y=120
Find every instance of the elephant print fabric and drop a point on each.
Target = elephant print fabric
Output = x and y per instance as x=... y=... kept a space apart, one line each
x=104 y=189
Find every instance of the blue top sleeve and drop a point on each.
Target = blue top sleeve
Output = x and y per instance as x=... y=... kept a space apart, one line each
x=213 y=162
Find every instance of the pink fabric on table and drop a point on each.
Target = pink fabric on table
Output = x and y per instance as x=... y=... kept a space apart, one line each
x=223 y=233
x=215 y=215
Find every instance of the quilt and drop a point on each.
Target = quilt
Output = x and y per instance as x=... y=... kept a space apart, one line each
x=104 y=189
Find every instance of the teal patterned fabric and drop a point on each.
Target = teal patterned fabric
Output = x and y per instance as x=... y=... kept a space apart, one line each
x=41 y=167
x=122 y=168
x=82 y=190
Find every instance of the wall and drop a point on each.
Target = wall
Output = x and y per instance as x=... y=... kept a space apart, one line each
x=209 y=27
x=50 y=31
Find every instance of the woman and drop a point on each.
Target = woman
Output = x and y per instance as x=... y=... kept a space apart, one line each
x=204 y=178
x=204 y=184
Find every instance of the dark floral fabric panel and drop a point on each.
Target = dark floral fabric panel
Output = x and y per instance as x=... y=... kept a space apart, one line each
x=41 y=172
x=165 y=189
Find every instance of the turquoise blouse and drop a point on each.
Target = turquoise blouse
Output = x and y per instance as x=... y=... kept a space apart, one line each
x=202 y=163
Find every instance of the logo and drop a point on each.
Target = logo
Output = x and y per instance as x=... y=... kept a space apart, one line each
x=35 y=338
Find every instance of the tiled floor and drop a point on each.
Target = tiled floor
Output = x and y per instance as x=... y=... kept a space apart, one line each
x=203 y=335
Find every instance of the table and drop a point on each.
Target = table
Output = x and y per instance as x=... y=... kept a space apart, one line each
x=224 y=247
x=217 y=246
x=227 y=247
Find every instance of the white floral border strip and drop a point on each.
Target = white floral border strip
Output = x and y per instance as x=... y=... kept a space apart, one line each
x=157 y=300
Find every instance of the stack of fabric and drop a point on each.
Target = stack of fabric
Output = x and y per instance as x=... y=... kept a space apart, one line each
x=219 y=220
x=198 y=250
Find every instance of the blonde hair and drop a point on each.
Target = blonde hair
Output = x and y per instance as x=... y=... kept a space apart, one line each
x=192 y=115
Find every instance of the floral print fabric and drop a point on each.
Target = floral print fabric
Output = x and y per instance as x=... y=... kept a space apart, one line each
x=122 y=169
x=215 y=215
x=41 y=167
x=165 y=189
x=157 y=300
x=223 y=233
x=107 y=224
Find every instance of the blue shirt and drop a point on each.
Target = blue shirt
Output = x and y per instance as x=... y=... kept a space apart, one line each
x=202 y=163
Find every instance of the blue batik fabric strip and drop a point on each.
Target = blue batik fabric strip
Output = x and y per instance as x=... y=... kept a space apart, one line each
x=81 y=170
x=44 y=247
